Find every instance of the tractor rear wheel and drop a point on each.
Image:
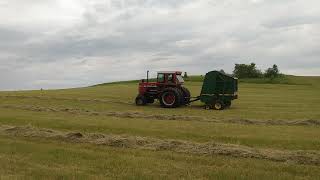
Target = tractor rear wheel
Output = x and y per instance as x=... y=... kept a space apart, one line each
x=141 y=100
x=170 y=98
x=186 y=96
x=218 y=105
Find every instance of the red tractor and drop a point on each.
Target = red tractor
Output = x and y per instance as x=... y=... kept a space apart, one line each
x=168 y=89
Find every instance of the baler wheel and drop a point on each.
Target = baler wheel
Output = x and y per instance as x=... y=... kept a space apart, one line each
x=208 y=107
x=218 y=105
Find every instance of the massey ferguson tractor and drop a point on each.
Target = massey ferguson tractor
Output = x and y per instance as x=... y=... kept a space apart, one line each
x=218 y=90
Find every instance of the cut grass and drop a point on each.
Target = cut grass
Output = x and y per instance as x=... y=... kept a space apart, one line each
x=281 y=137
x=154 y=144
x=43 y=159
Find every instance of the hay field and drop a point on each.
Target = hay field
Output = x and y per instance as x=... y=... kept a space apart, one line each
x=272 y=130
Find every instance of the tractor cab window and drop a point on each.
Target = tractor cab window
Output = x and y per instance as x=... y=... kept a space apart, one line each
x=180 y=79
x=170 y=78
x=160 y=78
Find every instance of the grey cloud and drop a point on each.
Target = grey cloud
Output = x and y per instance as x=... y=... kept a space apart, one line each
x=11 y=36
x=292 y=21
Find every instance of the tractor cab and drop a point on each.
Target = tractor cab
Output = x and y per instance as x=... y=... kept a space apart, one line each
x=169 y=78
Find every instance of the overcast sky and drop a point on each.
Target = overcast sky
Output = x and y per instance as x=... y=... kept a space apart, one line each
x=71 y=43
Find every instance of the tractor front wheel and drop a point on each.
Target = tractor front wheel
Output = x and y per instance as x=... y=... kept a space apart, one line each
x=141 y=100
x=170 y=98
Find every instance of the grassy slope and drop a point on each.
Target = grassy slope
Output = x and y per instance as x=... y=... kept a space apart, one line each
x=292 y=101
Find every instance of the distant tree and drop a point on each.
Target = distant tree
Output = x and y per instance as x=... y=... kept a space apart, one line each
x=247 y=71
x=185 y=75
x=272 y=72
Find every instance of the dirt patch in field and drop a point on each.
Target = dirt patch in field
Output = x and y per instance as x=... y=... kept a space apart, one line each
x=140 y=115
x=296 y=157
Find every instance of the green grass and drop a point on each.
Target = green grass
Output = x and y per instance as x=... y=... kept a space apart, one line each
x=280 y=137
x=283 y=79
x=292 y=99
x=43 y=159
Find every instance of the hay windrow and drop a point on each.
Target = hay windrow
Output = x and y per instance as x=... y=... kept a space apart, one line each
x=139 y=115
x=211 y=148
x=65 y=99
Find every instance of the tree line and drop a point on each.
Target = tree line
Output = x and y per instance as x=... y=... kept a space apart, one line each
x=251 y=71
